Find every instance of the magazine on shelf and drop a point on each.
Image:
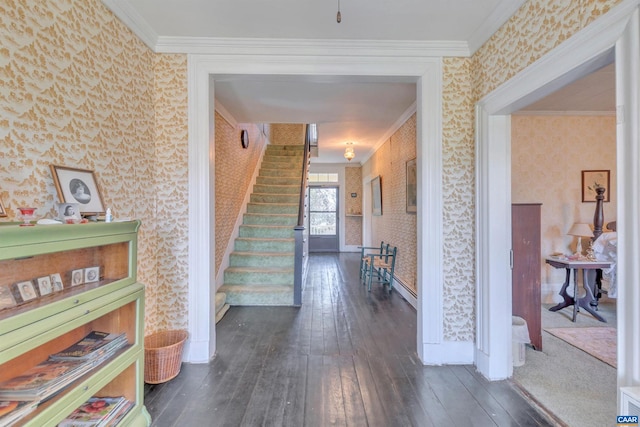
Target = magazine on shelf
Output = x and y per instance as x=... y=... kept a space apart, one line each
x=12 y=411
x=92 y=346
x=98 y=412
x=43 y=380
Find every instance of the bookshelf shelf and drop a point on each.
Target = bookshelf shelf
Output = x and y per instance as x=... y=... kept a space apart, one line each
x=33 y=329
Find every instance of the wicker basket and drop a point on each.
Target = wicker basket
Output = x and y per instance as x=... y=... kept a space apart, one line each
x=163 y=355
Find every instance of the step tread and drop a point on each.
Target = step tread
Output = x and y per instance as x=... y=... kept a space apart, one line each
x=262 y=253
x=259 y=269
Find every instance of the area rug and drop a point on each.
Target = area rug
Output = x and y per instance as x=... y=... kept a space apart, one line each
x=600 y=342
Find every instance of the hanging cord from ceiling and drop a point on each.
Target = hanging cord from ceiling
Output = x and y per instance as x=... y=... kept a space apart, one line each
x=338 y=15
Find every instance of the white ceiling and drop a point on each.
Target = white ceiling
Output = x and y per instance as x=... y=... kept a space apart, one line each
x=357 y=109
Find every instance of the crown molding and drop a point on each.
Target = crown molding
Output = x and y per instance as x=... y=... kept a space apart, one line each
x=132 y=19
x=320 y=47
x=500 y=15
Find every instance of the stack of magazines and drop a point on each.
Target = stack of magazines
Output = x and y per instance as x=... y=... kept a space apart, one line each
x=98 y=412
x=42 y=381
x=12 y=411
x=95 y=348
x=51 y=376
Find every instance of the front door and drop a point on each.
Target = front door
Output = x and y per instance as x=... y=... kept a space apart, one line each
x=323 y=219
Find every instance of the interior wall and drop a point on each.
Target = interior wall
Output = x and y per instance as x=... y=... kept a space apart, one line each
x=165 y=306
x=353 y=206
x=287 y=134
x=234 y=171
x=548 y=154
x=395 y=225
x=79 y=89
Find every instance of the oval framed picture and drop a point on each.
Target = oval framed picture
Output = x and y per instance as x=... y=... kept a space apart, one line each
x=244 y=138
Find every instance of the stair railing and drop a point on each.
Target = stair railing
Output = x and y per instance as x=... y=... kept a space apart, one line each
x=301 y=240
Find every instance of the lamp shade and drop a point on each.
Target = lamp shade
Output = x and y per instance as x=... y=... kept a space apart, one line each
x=580 y=229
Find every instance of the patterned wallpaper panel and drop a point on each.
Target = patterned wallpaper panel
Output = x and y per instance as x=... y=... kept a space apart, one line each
x=287 y=134
x=536 y=28
x=565 y=146
x=395 y=225
x=353 y=205
x=234 y=170
x=458 y=177
x=79 y=89
x=170 y=307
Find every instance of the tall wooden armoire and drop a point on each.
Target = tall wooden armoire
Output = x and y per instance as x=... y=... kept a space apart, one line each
x=527 y=267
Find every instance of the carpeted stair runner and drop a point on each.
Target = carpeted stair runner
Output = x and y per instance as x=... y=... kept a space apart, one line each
x=260 y=268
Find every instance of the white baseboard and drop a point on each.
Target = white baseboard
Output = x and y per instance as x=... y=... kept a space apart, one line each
x=449 y=353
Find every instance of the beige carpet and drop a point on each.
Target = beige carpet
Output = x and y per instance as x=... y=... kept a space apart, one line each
x=600 y=342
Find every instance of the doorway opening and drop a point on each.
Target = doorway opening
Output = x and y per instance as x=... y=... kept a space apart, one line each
x=323 y=219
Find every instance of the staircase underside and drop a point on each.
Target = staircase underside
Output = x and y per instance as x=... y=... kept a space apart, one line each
x=261 y=267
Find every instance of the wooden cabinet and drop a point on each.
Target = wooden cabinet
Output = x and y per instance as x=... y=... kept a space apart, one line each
x=527 y=267
x=37 y=328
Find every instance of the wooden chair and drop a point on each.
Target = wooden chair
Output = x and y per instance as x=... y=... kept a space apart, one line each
x=382 y=266
x=364 y=259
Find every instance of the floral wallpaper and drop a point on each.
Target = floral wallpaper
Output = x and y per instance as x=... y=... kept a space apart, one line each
x=353 y=205
x=167 y=305
x=395 y=225
x=565 y=145
x=234 y=170
x=536 y=28
x=458 y=179
x=77 y=88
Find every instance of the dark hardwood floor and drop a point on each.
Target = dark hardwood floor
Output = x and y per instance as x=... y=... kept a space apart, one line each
x=346 y=357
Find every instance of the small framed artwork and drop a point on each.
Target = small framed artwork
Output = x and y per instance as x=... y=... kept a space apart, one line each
x=91 y=274
x=3 y=212
x=44 y=285
x=56 y=282
x=77 y=277
x=69 y=212
x=27 y=291
x=6 y=298
x=78 y=186
x=376 y=196
x=412 y=187
x=592 y=180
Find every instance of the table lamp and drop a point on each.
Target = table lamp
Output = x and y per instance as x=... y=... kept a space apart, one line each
x=580 y=230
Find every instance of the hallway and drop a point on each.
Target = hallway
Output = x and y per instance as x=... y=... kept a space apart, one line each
x=346 y=357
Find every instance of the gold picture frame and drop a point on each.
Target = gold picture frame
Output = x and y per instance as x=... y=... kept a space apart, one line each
x=78 y=186
x=376 y=196
x=412 y=187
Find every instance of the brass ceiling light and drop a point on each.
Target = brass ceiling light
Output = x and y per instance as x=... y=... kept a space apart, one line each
x=339 y=15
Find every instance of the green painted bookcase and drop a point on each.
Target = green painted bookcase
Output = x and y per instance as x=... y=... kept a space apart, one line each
x=33 y=329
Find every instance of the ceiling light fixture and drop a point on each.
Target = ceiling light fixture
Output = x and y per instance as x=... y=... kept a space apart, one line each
x=349 y=154
x=339 y=15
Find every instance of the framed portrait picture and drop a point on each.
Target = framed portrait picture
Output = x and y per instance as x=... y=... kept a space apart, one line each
x=91 y=274
x=56 y=282
x=3 y=212
x=77 y=277
x=592 y=180
x=27 y=291
x=44 y=285
x=78 y=186
x=412 y=187
x=69 y=212
x=376 y=196
x=6 y=298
